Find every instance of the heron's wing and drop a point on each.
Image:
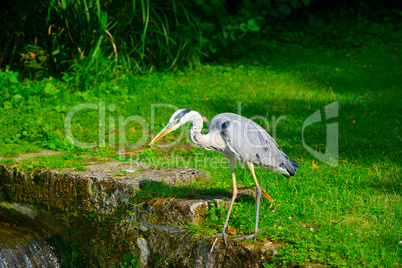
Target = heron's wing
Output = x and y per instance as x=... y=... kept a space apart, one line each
x=251 y=143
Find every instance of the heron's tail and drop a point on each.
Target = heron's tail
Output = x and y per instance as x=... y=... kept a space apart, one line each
x=291 y=166
x=294 y=164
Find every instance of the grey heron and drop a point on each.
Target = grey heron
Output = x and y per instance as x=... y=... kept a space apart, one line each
x=240 y=140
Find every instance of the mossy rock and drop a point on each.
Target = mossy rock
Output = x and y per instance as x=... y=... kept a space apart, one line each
x=91 y=205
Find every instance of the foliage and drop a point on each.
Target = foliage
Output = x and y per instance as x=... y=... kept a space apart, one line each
x=104 y=245
x=97 y=36
x=225 y=24
x=78 y=40
x=101 y=36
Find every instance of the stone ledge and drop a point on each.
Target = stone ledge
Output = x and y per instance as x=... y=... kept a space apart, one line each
x=102 y=190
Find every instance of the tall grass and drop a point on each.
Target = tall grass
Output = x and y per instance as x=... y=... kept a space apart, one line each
x=91 y=36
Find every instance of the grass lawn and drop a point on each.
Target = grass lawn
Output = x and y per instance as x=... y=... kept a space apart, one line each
x=348 y=215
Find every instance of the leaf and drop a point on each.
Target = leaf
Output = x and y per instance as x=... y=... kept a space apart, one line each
x=7 y=105
x=244 y=27
x=306 y=2
x=231 y=231
x=314 y=165
x=17 y=96
x=272 y=12
x=213 y=47
x=50 y=89
x=52 y=145
x=13 y=77
x=295 y=3
x=251 y=22
x=253 y=26
x=266 y=3
x=284 y=9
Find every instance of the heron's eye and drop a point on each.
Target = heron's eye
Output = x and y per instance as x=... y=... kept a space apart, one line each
x=177 y=120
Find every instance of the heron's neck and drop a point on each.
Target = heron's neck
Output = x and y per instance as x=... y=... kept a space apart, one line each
x=195 y=131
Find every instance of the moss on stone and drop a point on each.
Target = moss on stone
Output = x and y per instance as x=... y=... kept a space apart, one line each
x=103 y=226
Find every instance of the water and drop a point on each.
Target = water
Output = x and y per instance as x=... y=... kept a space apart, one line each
x=23 y=247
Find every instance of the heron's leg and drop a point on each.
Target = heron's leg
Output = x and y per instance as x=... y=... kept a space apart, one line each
x=234 y=194
x=258 y=194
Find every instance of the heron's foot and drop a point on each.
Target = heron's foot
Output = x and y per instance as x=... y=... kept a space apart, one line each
x=223 y=234
x=267 y=195
x=254 y=235
x=273 y=205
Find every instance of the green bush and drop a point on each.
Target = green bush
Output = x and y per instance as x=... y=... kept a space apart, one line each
x=84 y=37
x=96 y=36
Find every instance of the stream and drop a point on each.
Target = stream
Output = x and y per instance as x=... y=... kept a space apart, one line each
x=21 y=246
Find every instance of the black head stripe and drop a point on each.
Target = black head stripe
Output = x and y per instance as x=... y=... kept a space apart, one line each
x=182 y=113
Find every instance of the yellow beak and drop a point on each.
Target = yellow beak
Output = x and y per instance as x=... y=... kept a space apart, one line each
x=164 y=131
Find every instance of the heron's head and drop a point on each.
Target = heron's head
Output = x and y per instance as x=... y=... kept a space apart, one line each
x=179 y=118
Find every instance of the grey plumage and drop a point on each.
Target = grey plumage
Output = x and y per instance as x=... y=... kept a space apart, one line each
x=182 y=113
x=240 y=140
x=249 y=142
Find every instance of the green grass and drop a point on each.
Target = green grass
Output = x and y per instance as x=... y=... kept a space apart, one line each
x=354 y=209
x=60 y=161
